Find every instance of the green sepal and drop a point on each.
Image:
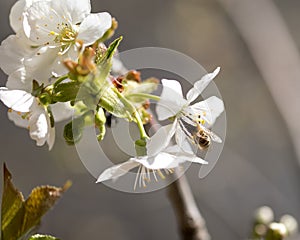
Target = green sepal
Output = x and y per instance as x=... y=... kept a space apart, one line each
x=42 y=237
x=66 y=91
x=111 y=101
x=103 y=59
x=140 y=147
x=51 y=117
x=73 y=130
x=100 y=120
x=36 y=88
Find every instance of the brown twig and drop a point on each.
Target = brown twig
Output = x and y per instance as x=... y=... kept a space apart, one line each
x=192 y=224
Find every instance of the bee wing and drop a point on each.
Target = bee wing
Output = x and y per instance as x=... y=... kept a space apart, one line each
x=212 y=135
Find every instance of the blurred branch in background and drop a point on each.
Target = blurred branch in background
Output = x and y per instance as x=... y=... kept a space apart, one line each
x=275 y=54
x=192 y=224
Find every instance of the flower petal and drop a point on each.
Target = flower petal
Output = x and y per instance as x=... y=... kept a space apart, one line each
x=160 y=161
x=171 y=100
x=165 y=160
x=191 y=157
x=15 y=16
x=93 y=27
x=75 y=11
x=17 y=100
x=200 y=85
x=117 y=170
x=19 y=80
x=17 y=119
x=161 y=139
x=183 y=142
x=209 y=109
x=40 y=21
x=13 y=50
x=51 y=138
x=39 y=125
x=35 y=65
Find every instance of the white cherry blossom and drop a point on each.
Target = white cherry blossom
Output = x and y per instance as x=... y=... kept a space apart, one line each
x=188 y=116
x=26 y=111
x=47 y=33
x=156 y=160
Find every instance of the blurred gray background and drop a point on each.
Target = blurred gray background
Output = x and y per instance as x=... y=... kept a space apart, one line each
x=258 y=166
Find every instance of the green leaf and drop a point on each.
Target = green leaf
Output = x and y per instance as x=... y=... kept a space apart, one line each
x=12 y=206
x=105 y=58
x=65 y=91
x=42 y=237
x=19 y=217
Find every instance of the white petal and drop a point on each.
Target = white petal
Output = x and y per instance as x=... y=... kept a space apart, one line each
x=17 y=119
x=16 y=13
x=184 y=156
x=35 y=65
x=13 y=50
x=93 y=27
x=19 y=80
x=15 y=16
x=40 y=20
x=200 y=85
x=62 y=111
x=166 y=161
x=161 y=139
x=17 y=100
x=160 y=161
x=183 y=142
x=51 y=138
x=171 y=100
x=39 y=126
x=209 y=109
x=58 y=67
x=117 y=170
x=74 y=11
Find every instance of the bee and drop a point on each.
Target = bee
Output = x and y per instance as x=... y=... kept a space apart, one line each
x=198 y=135
x=203 y=137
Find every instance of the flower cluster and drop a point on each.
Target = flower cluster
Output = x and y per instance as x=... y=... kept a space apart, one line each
x=58 y=66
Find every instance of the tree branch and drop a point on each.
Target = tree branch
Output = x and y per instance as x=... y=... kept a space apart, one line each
x=192 y=224
x=190 y=221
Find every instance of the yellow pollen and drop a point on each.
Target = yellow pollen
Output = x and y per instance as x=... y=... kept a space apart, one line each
x=202 y=121
x=19 y=113
x=10 y=110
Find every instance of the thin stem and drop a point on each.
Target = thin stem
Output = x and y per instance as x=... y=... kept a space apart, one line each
x=135 y=114
x=144 y=95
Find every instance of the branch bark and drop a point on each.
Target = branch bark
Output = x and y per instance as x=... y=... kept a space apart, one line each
x=192 y=224
x=190 y=221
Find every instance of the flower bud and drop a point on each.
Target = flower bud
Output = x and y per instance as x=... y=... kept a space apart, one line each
x=290 y=223
x=264 y=215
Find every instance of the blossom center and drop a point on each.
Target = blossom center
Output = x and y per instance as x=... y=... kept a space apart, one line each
x=65 y=38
